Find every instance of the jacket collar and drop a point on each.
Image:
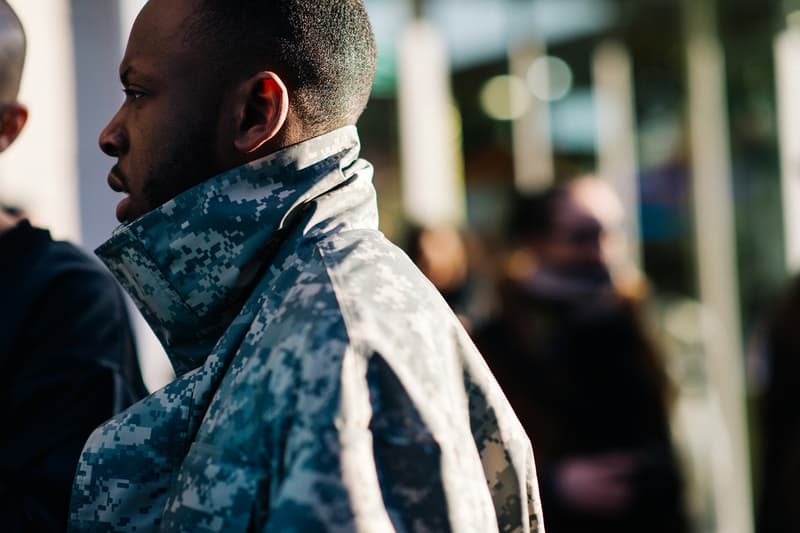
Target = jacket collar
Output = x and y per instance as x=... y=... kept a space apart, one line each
x=190 y=264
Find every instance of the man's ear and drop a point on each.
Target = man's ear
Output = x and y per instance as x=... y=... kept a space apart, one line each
x=263 y=111
x=13 y=117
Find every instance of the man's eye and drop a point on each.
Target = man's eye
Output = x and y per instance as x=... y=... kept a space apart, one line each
x=133 y=94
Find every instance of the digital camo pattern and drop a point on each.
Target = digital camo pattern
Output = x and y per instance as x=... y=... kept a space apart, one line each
x=323 y=383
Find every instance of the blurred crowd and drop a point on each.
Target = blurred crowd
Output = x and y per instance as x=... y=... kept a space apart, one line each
x=587 y=355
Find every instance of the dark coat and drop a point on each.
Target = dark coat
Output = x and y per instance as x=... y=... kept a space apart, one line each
x=67 y=363
x=580 y=373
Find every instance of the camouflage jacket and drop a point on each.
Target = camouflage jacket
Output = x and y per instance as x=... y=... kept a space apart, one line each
x=323 y=384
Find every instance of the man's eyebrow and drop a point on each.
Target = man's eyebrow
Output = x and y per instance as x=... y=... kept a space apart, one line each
x=129 y=72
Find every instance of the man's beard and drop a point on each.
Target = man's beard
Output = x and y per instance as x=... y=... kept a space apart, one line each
x=573 y=284
x=191 y=162
x=592 y=274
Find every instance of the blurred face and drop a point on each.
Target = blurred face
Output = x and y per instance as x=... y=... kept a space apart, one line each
x=443 y=258
x=575 y=243
x=169 y=134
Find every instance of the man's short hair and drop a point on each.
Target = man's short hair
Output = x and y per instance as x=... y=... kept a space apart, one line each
x=324 y=50
x=533 y=215
x=12 y=53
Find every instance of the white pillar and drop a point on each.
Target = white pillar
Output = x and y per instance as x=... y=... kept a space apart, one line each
x=787 y=66
x=616 y=135
x=532 y=143
x=39 y=172
x=717 y=270
x=431 y=160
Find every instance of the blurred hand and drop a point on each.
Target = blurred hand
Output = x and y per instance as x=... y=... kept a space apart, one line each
x=601 y=484
x=7 y=221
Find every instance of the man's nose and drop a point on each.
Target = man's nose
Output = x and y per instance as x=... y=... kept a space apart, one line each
x=113 y=140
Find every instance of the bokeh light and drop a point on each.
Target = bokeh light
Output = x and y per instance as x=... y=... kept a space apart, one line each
x=505 y=98
x=550 y=78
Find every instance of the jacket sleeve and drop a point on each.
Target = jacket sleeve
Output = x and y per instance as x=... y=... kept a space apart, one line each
x=372 y=469
x=379 y=467
x=65 y=382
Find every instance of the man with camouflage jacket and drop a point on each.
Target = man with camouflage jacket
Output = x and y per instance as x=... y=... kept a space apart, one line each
x=323 y=384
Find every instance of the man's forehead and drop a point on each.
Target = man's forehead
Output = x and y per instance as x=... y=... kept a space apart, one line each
x=161 y=26
x=158 y=33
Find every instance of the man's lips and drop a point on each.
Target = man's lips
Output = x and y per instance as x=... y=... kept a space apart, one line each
x=117 y=180
x=119 y=183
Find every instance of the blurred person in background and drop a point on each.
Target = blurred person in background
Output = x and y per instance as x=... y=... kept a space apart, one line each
x=67 y=358
x=586 y=380
x=442 y=254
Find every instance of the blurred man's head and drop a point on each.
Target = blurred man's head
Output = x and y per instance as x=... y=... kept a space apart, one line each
x=213 y=84
x=13 y=115
x=562 y=234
